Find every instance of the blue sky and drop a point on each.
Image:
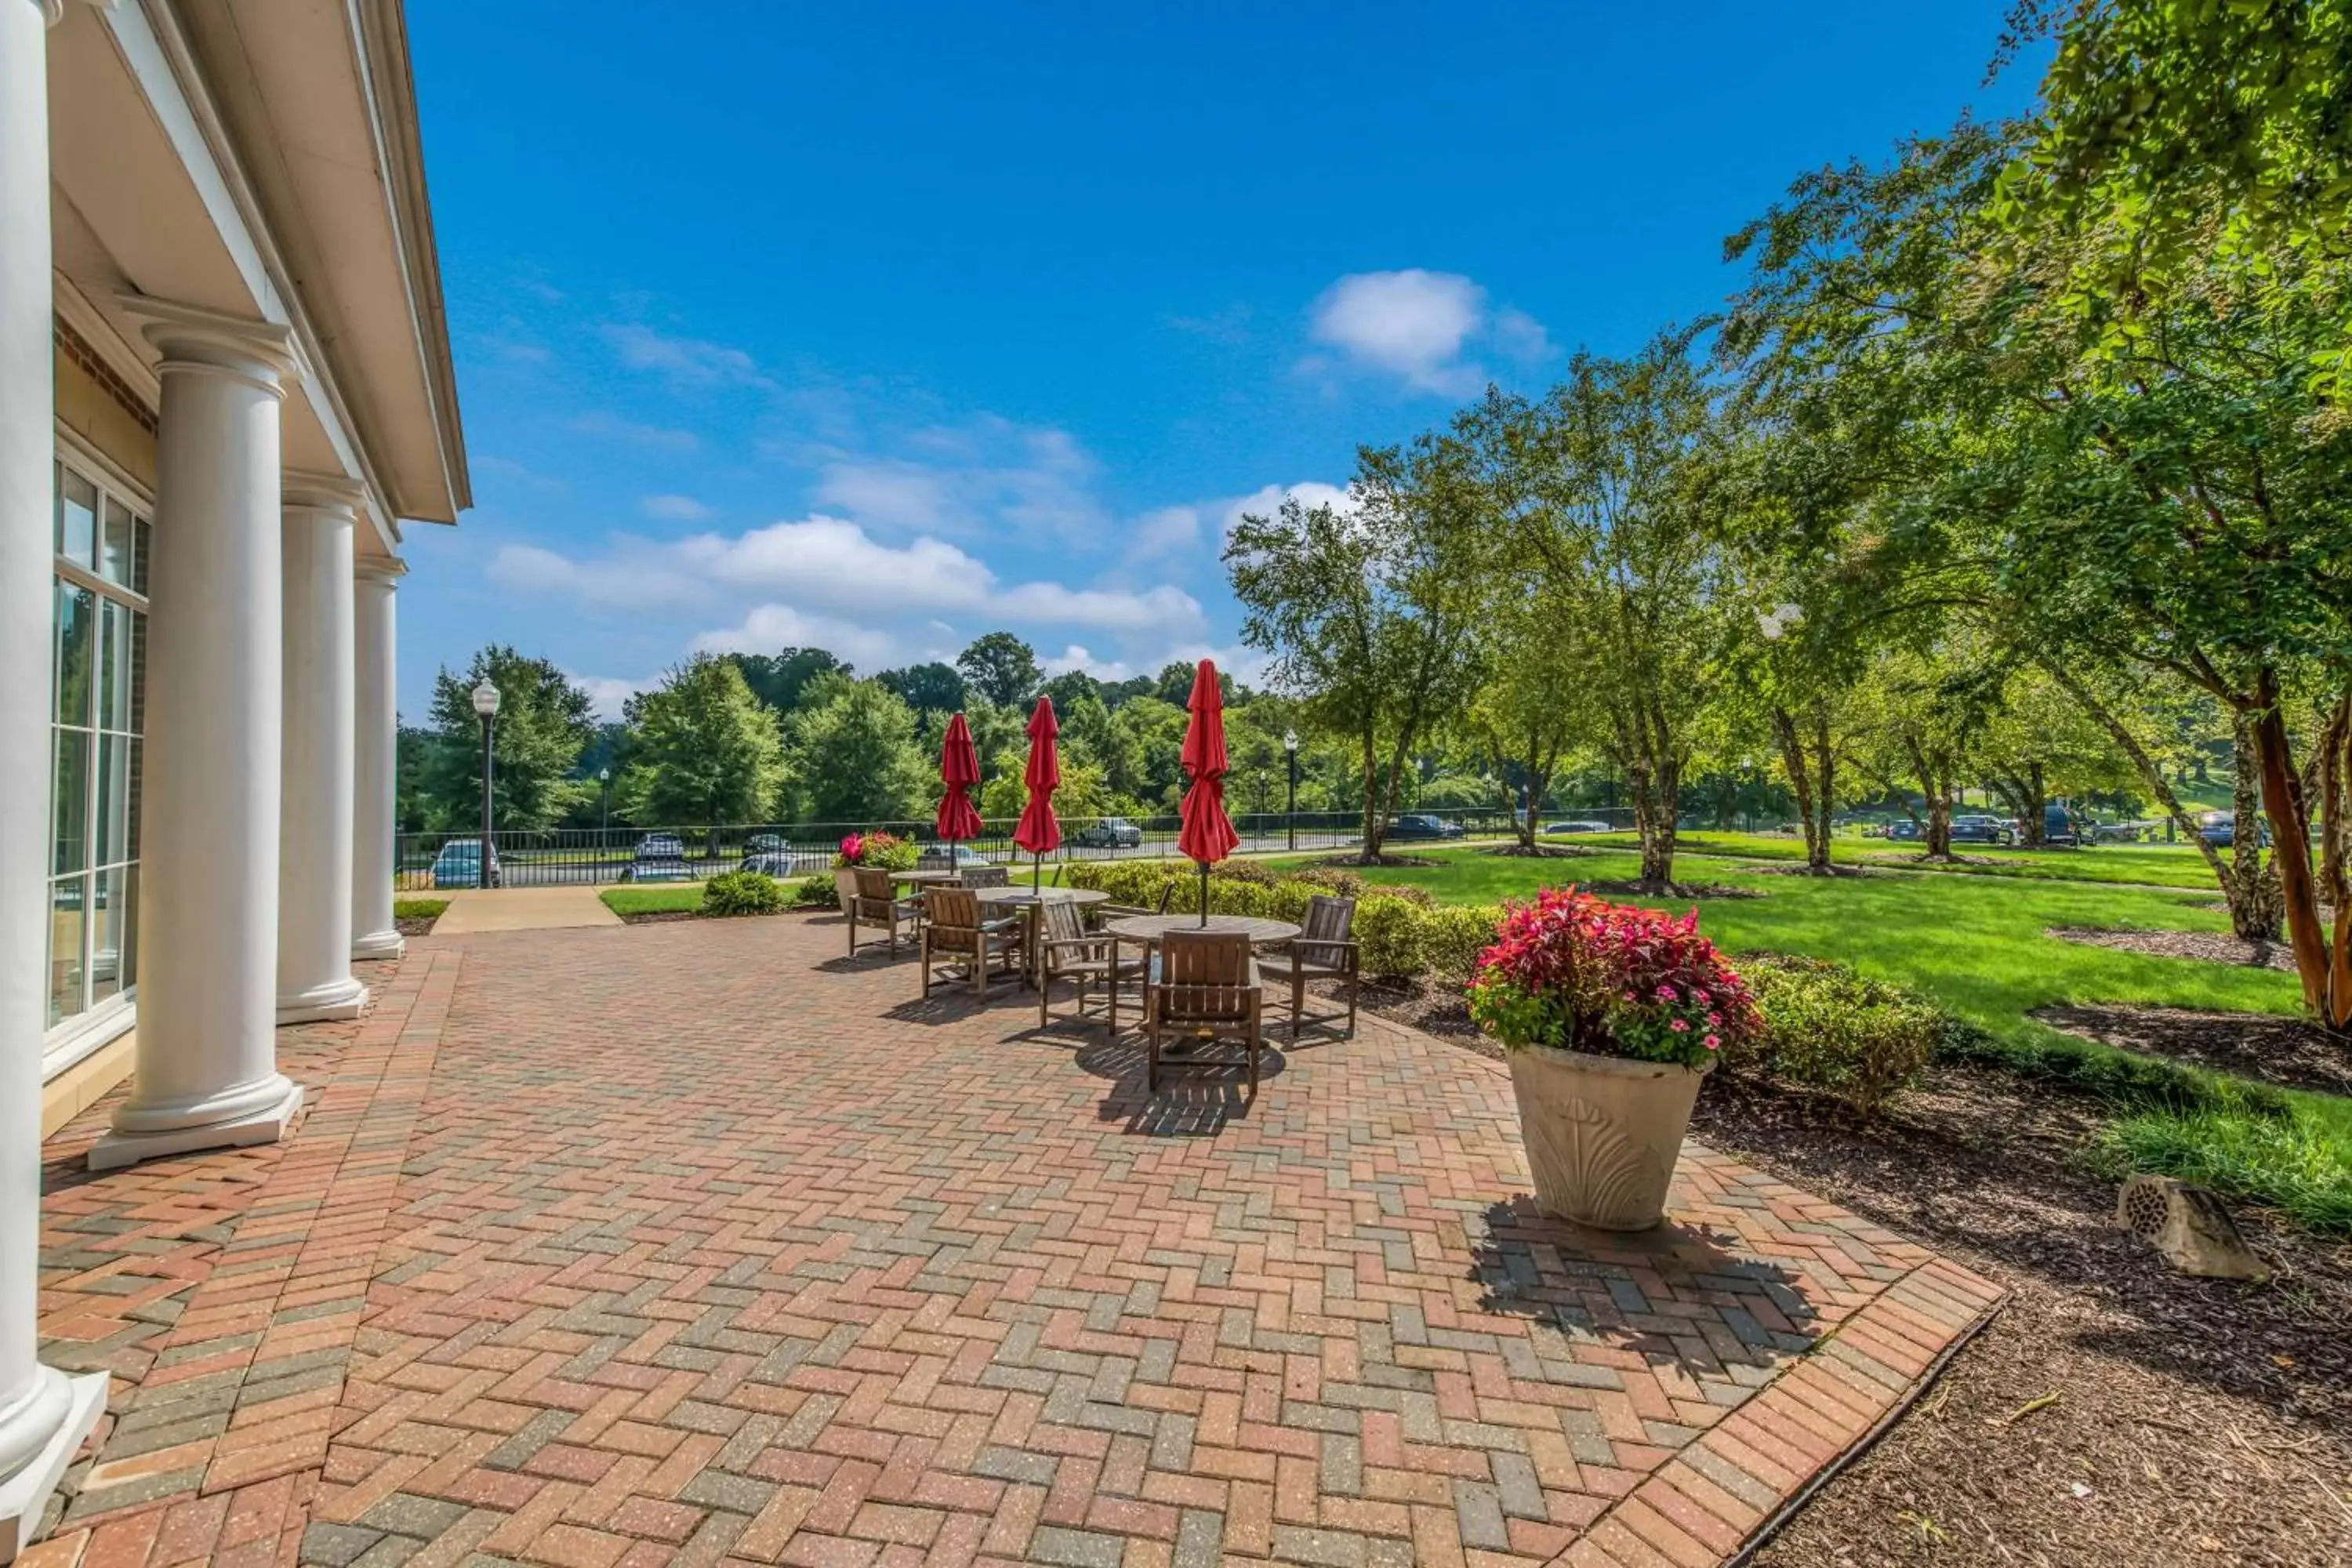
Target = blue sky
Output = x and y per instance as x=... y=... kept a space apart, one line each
x=879 y=328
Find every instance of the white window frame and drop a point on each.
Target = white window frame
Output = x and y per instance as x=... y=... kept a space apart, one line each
x=76 y=1038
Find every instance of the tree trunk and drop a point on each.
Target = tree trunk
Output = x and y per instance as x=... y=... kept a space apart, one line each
x=2326 y=977
x=1373 y=822
x=2244 y=920
x=2255 y=896
x=1657 y=787
x=1811 y=779
x=1817 y=844
x=1939 y=824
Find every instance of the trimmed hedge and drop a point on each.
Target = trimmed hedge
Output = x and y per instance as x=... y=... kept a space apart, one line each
x=1832 y=1029
x=817 y=892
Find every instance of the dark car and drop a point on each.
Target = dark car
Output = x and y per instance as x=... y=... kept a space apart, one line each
x=1110 y=833
x=768 y=863
x=1903 y=827
x=660 y=857
x=1423 y=826
x=459 y=864
x=2219 y=830
x=765 y=844
x=2067 y=829
x=1976 y=829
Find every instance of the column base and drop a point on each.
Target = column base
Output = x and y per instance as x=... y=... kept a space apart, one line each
x=74 y=1403
x=267 y=1125
x=386 y=943
x=344 y=998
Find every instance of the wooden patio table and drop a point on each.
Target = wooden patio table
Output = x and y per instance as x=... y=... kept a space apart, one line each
x=1146 y=931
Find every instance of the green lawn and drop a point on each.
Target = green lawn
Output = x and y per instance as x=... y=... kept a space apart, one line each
x=661 y=898
x=2167 y=865
x=418 y=908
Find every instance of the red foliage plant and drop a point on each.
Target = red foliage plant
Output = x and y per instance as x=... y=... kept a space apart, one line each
x=1577 y=972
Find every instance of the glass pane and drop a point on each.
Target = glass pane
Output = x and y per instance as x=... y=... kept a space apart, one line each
x=126 y=940
x=66 y=900
x=113 y=666
x=131 y=792
x=110 y=934
x=77 y=609
x=69 y=840
x=113 y=800
x=136 y=679
x=115 y=545
x=76 y=517
x=139 y=535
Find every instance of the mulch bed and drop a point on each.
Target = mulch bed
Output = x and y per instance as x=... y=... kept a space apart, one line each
x=412 y=925
x=1541 y=852
x=2213 y=946
x=662 y=917
x=1923 y=858
x=2290 y=1052
x=2196 y=1421
x=1782 y=869
x=1637 y=888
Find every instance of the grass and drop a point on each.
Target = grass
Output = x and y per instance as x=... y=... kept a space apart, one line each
x=2168 y=865
x=418 y=908
x=1974 y=945
x=661 y=898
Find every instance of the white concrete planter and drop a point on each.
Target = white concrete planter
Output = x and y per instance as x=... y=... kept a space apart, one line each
x=1601 y=1132
x=844 y=887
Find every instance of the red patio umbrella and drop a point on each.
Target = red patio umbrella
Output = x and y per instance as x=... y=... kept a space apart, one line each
x=1207 y=835
x=959 y=771
x=1040 y=833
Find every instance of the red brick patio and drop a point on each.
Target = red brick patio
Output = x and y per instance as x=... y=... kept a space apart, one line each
x=695 y=1241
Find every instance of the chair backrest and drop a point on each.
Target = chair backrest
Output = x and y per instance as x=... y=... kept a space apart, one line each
x=875 y=892
x=1167 y=895
x=1062 y=922
x=951 y=907
x=844 y=888
x=1329 y=919
x=1205 y=974
x=986 y=877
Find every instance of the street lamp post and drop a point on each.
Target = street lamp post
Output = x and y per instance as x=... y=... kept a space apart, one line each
x=1290 y=808
x=486 y=704
x=605 y=815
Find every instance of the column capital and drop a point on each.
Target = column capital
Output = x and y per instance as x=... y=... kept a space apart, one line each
x=339 y=498
x=190 y=338
x=387 y=569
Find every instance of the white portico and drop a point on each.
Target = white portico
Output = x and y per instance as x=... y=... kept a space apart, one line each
x=224 y=388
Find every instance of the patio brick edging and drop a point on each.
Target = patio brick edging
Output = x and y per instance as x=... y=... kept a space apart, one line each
x=1722 y=1497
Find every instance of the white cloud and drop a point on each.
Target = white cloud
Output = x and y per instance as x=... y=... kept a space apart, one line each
x=607 y=694
x=1418 y=326
x=1167 y=532
x=674 y=509
x=688 y=360
x=633 y=576
x=1074 y=657
x=1268 y=500
x=890 y=495
x=767 y=627
x=983 y=476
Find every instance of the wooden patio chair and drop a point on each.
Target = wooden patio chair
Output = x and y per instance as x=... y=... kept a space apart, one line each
x=953 y=928
x=1207 y=986
x=1323 y=949
x=1120 y=911
x=1067 y=949
x=875 y=901
x=978 y=877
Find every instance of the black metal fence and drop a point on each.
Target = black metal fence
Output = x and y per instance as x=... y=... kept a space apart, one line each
x=599 y=856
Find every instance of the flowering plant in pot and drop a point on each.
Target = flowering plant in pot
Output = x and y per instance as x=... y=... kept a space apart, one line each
x=1611 y=1015
x=885 y=850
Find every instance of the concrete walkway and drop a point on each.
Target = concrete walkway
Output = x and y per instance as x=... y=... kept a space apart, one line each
x=472 y=911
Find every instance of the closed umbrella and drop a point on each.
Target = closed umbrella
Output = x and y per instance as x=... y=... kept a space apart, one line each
x=1207 y=835
x=960 y=772
x=1040 y=833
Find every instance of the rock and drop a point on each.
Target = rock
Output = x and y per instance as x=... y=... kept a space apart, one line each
x=2190 y=1226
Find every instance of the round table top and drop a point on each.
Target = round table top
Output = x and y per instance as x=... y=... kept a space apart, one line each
x=1151 y=928
x=926 y=875
x=1041 y=896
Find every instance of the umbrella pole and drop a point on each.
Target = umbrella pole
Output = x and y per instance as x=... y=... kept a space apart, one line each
x=1204 y=893
x=1036 y=869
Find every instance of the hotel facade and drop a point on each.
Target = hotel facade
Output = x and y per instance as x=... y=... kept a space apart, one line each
x=224 y=388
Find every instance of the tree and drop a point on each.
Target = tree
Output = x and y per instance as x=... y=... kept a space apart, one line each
x=853 y=757
x=1146 y=761
x=543 y=722
x=702 y=748
x=1629 y=523
x=928 y=687
x=778 y=679
x=1532 y=710
x=1002 y=668
x=2039 y=741
x=1369 y=614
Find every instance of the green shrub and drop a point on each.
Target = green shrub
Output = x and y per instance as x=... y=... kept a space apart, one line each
x=1389 y=933
x=418 y=908
x=817 y=892
x=1453 y=936
x=742 y=893
x=1832 y=1029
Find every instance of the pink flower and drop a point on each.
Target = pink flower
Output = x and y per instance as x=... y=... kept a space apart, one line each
x=1679 y=1028
x=1713 y=1042
x=1666 y=993
x=1715 y=1019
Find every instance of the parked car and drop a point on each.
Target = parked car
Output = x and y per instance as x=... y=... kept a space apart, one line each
x=2219 y=830
x=660 y=857
x=770 y=863
x=2067 y=829
x=1979 y=829
x=460 y=864
x=1903 y=827
x=1109 y=833
x=765 y=844
x=1423 y=826
x=1576 y=826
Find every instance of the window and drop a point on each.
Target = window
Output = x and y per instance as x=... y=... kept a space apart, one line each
x=97 y=716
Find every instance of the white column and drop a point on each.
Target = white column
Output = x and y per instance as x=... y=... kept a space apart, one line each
x=207 y=1072
x=44 y=1415
x=314 y=827
x=375 y=588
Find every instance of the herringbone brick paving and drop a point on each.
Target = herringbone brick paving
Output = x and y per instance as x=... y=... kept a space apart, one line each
x=697 y=1241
